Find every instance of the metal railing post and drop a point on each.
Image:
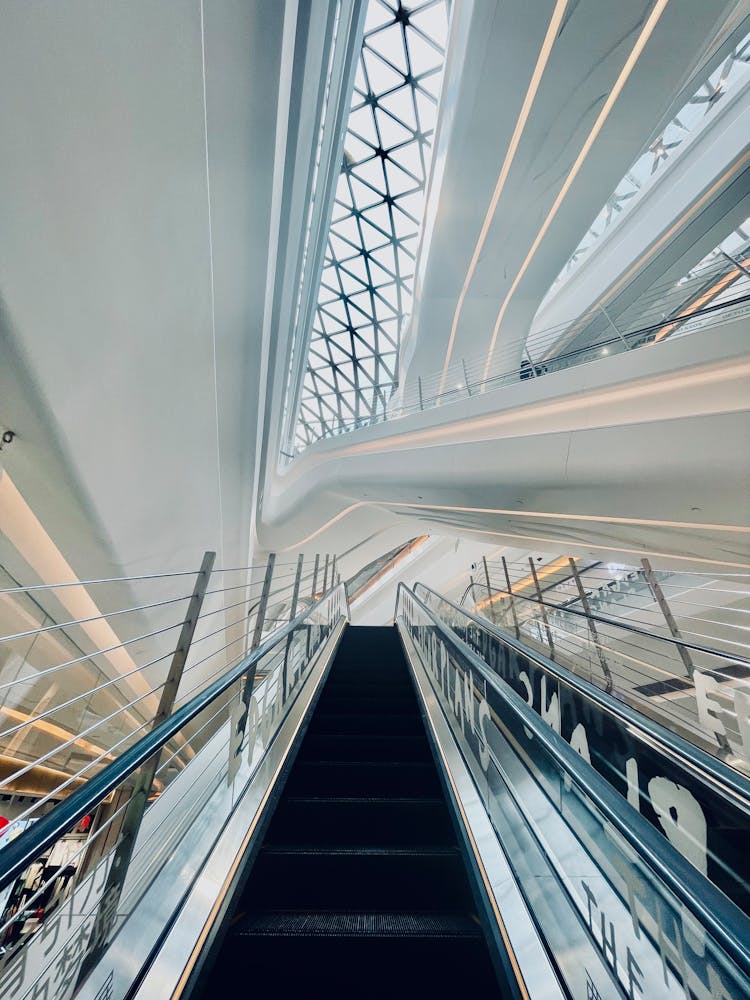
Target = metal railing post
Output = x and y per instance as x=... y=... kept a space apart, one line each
x=668 y=617
x=609 y=683
x=615 y=328
x=511 y=598
x=419 y=389
x=489 y=589
x=241 y=707
x=466 y=376
x=263 y=603
x=136 y=807
x=295 y=588
x=325 y=574
x=315 y=576
x=544 y=610
x=292 y=616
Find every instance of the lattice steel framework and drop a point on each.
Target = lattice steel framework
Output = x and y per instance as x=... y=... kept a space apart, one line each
x=367 y=280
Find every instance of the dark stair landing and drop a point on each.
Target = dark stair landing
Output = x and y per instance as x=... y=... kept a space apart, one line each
x=359 y=889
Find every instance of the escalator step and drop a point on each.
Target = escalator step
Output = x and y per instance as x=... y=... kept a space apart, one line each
x=404 y=779
x=340 y=822
x=365 y=748
x=348 y=924
x=340 y=704
x=364 y=878
x=371 y=956
x=377 y=724
x=382 y=687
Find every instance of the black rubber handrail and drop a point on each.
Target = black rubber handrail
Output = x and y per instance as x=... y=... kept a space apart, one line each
x=697 y=647
x=729 y=926
x=715 y=770
x=22 y=851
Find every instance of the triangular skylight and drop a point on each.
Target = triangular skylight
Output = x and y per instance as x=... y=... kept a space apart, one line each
x=367 y=282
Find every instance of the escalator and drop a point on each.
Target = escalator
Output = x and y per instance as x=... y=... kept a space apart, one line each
x=359 y=886
x=431 y=809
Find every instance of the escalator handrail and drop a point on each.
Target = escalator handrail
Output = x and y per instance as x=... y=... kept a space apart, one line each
x=715 y=770
x=24 y=850
x=729 y=926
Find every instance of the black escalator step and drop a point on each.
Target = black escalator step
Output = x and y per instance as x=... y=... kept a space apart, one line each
x=366 y=702
x=366 y=878
x=399 y=778
x=342 y=705
x=370 y=956
x=371 y=851
x=365 y=748
x=369 y=679
x=371 y=660
x=664 y=687
x=359 y=687
x=348 y=924
x=340 y=822
x=371 y=651
x=374 y=723
x=370 y=667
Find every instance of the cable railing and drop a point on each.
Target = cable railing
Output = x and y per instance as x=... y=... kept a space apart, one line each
x=713 y=294
x=675 y=645
x=711 y=606
x=62 y=715
x=89 y=845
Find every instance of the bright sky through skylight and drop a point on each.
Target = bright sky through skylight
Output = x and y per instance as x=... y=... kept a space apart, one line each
x=367 y=280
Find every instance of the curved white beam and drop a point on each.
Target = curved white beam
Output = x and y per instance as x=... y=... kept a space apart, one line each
x=601 y=455
x=609 y=81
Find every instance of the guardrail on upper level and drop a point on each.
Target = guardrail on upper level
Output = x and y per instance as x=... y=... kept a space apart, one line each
x=711 y=295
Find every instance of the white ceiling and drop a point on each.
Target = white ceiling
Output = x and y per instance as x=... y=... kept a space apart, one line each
x=131 y=328
x=145 y=355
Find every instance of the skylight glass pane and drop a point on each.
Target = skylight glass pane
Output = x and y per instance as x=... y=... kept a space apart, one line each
x=366 y=289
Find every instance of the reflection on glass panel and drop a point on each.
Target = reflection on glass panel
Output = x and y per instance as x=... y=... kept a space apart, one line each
x=612 y=923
